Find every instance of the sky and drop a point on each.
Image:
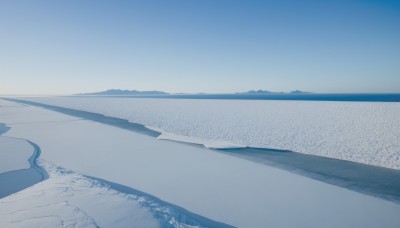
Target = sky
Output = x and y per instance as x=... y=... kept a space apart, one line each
x=220 y=46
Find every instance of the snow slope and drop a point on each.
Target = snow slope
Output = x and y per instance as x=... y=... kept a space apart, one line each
x=366 y=132
x=214 y=185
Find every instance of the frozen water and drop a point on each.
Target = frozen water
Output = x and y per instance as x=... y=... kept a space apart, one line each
x=365 y=132
x=214 y=185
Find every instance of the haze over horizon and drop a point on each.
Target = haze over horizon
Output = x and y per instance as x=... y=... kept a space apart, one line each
x=70 y=47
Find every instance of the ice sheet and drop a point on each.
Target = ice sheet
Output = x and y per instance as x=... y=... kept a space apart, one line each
x=220 y=187
x=366 y=132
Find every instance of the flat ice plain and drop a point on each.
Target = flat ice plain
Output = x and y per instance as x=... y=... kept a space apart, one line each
x=223 y=188
x=365 y=132
x=14 y=154
x=68 y=199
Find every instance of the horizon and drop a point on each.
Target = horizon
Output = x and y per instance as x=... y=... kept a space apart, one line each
x=71 y=47
x=243 y=93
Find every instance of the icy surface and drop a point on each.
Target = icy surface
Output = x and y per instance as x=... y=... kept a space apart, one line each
x=194 y=140
x=366 y=132
x=217 y=186
x=14 y=154
x=68 y=199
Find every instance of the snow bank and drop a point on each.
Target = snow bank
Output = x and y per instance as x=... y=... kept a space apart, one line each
x=366 y=132
x=14 y=154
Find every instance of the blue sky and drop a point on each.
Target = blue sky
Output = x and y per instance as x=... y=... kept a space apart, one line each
x=64 y=47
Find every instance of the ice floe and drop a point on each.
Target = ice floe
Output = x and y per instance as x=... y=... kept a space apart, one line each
x=14 y=154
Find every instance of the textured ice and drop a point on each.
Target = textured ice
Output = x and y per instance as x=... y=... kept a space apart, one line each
x=68 y=199
x=366 y=132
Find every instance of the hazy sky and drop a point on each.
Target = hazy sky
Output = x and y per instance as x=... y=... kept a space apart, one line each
x=63 y=47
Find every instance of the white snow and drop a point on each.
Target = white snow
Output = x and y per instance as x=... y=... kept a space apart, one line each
x=14 y=154
x=220 y=187
x=68 y=199
x=194 y=140
x=366 y=132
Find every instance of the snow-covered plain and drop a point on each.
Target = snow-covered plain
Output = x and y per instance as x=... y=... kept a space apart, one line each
x=220 y=187
x=68 y=199
x=366 y=132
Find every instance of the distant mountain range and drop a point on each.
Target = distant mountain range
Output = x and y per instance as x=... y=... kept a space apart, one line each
x=299 y=91
x=261 y=92
x=119 y=92
x=125 y=92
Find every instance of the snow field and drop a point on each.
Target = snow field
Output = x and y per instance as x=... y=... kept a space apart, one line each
x=365 y=132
